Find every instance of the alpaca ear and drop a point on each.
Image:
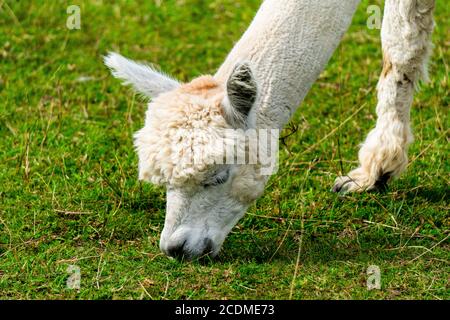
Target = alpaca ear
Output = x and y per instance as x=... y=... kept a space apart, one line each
x=142 y=77
x=242 y=91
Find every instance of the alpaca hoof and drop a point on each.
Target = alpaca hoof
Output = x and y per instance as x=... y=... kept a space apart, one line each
x=357 y=182
x=345 y=184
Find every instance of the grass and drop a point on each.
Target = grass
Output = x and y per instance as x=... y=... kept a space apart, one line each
x=69 y=193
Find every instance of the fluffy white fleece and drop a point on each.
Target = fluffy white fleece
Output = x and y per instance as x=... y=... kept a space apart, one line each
x=181 y=132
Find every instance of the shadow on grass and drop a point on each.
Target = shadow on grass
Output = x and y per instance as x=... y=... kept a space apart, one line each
x=440 y=194
x=263 y=250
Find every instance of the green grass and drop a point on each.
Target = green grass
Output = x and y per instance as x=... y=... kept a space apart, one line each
x=68 y=173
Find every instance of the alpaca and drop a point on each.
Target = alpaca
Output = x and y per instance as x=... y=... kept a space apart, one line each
x=260 y=85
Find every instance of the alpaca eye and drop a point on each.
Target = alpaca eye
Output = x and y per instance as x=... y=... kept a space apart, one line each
x=218 y=179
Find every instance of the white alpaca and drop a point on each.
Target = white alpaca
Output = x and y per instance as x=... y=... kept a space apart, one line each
x=260 y=85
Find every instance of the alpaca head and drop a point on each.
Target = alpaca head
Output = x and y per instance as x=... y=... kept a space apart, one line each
x=183 y=146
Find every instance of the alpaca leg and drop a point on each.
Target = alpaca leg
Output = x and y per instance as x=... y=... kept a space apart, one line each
x=406 y=42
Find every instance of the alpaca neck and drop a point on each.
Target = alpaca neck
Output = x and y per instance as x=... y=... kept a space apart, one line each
x=288 y=44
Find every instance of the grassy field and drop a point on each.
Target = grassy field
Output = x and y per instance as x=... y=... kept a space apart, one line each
x=69 y=193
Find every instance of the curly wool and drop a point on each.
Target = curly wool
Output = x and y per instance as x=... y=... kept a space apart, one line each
x=180 y=135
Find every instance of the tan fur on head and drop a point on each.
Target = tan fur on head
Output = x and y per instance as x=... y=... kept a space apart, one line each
x=180 y=126
x=205 y=86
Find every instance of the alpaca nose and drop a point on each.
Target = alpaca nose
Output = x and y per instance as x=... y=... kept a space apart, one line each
x=182 y=251
x=176 y=251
